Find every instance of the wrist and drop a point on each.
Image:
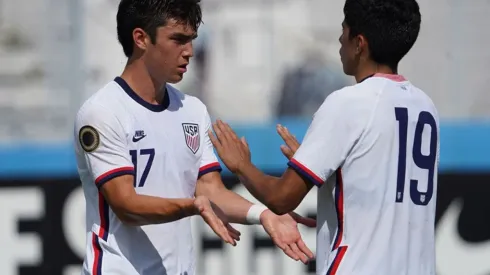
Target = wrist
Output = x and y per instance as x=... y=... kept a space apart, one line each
x=242 y=167
x=254 y=214
x=192 y=209
x=264 y=215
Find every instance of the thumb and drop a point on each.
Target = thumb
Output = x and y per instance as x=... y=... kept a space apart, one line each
x=244 y=142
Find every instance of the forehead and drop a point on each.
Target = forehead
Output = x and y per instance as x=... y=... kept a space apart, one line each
x=174 y=26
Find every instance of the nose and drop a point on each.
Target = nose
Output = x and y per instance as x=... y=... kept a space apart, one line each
x=188 y=50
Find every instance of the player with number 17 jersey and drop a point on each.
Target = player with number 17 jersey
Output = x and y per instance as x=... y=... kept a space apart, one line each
x=120 y=134
x=379 y=204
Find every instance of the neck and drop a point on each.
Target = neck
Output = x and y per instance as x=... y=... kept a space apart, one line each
x=139 y=79
x=372 y=69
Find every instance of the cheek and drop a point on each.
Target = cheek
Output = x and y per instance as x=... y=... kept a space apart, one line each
x=346 y=49
x=163 y=48
x=343 y=49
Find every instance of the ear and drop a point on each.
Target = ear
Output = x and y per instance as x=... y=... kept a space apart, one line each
x=140 y=38
x=361 y=44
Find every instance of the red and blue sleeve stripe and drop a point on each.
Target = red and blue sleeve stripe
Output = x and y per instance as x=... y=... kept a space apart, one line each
x=339 y=207
x=214 y=166
x=305 y=172
x=107 y=176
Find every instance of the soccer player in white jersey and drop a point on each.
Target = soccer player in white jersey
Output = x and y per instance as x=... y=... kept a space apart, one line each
x=146 y=161
x=372 y=149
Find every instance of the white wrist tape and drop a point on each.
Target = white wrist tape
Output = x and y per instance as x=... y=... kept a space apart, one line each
x=253 y=215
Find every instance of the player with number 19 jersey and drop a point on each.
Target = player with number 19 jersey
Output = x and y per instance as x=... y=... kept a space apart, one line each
x=378 y=168
x=166 y=148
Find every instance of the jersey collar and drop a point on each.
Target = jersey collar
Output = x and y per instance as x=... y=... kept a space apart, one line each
x=152 y=107
x=394 y=77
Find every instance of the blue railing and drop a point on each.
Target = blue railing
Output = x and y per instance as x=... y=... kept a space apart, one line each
x=465 y=147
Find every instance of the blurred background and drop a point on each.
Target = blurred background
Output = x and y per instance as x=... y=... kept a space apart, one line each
x=257 y=63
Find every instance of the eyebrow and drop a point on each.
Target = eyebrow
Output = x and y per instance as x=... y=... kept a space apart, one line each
x=184 y=36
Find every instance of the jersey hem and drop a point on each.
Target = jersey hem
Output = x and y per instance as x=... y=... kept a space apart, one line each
x=305 y=172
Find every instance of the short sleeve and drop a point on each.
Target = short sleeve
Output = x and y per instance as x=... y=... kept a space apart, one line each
x=336 y=127
x=101 y=143
x=209 y=161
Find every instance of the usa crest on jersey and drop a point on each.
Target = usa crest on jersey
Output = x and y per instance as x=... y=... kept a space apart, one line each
x=191 y=134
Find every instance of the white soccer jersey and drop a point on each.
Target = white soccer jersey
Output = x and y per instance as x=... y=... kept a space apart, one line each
x=167 y=148
x=373 y=149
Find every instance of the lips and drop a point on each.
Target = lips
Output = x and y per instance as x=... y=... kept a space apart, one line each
x=183 y=68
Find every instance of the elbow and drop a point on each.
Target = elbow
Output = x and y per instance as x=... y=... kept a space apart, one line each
x=126 y=213
x=281 y=206
x=280 y=209
x=125 y=216
x=128 y=220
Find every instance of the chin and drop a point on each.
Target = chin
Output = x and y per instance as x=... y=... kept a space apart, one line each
x=347 y=70
x=175 y=79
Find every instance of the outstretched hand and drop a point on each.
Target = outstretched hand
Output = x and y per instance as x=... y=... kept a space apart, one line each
x=214 y=218
x=284 y=232
x=292 y=143
x=233 y=151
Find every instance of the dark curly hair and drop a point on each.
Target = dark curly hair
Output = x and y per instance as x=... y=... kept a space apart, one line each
x=151 y=14
x=391 y=27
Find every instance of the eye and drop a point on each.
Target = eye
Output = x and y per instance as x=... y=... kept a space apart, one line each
x=181 y=41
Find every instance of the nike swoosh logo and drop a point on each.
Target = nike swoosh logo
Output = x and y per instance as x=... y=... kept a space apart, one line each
x=455 y=256
x=136 y=139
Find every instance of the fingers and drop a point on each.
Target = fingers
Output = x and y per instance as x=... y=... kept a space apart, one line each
x=214 y=140
x=224 y=234
x=302 y=257
x=245 y=143
x=286 y=249
x=218 y=227
x=291 y=254
x=309 y=222
x=227 y=131
x=235 y=234
x=304 y=249
x=224 y=133
x=286 y=151
x=288 y=138
x=296 y=251
x=218 y=132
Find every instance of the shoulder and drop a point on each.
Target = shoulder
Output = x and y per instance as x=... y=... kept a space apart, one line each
x=100 y=107
x=347 y=100
x=426 y=101
x=188 y=102
x=423 y=95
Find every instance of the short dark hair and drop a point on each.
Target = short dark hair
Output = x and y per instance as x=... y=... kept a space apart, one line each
x=391 y=27
x=151 y=14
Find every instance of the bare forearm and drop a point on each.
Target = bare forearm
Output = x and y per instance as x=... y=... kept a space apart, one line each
x=144 y=210
x=234 y=206
x=263 y=187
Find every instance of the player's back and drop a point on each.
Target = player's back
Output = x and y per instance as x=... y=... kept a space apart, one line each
x=385 y=190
